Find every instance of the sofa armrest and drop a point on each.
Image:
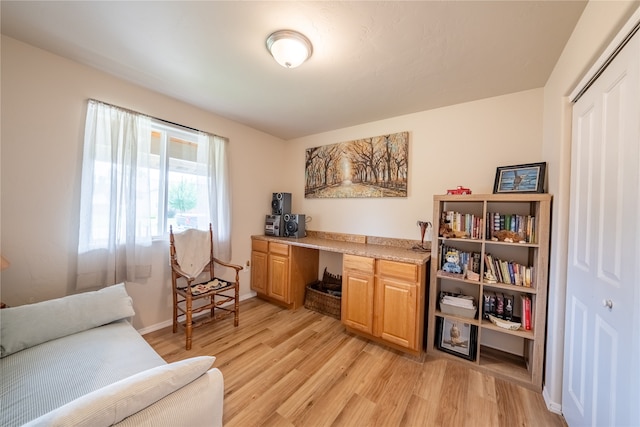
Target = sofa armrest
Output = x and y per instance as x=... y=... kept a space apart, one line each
x=199 y=403
x=115 y=402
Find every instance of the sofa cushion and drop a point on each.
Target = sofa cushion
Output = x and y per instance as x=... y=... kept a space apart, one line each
x=44 y=377
x=32 y=324
x=115 y=402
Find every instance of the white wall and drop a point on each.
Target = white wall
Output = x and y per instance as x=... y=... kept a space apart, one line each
x=43 y=110
x=598 y=24
x=457 y=145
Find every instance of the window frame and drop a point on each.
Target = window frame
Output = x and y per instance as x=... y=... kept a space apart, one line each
x=167 y=132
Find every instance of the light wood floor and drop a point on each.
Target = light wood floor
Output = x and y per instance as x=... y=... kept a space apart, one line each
x=300 y=368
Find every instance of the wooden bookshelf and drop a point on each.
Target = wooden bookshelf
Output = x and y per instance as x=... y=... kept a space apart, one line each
x=515 y=355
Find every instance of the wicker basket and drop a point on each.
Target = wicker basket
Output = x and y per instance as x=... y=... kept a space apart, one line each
x=322 y=302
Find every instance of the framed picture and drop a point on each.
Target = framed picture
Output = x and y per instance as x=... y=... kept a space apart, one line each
x=376 y=166
x=456 y=337
x=527 y=178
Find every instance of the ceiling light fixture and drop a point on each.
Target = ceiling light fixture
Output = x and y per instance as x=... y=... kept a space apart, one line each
x=289 y=48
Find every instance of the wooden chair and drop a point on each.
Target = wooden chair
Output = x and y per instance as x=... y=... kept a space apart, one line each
x=216 y=293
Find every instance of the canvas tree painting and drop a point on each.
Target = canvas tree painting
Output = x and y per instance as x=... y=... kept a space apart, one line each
x=368 y=167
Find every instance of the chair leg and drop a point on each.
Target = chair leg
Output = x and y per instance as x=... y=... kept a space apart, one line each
x=236 y=308
x=175 y=312
x=188 y=323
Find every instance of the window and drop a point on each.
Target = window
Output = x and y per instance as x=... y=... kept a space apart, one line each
x=139 y=176
x=178 y=181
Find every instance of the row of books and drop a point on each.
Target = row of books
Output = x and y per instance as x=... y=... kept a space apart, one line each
x=472 y=225
x=509 y=272
x=503 y=307
x=523 y=225
x=467 y=261
x=498 y=305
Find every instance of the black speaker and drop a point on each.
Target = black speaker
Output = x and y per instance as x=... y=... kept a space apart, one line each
x=281 y=203
x=293 y=225
x=273 y=225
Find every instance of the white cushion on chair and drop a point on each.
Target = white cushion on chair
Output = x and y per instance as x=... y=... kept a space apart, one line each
x=193 y=250
x=213 y=285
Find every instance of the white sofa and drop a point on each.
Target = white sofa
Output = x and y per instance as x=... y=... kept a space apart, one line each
x=77 y=361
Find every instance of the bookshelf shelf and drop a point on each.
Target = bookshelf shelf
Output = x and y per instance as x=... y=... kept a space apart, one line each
x=519 y=333
x=510 y=288
x=507 y=366
x=457 y=279
x=491 y=242
x=520 y=268
x=458 y=318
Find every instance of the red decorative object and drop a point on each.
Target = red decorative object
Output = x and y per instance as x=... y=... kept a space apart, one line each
x=459 y=190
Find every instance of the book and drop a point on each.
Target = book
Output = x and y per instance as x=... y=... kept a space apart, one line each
x=527 y=277
x=500 y=277
x=506 y=278
x=500 y=305
x=508 y=307
x=486 y=306
x=512 y=276
x=526 y=312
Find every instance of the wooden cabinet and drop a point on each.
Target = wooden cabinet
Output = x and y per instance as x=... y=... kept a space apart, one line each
x=484 y=231
x=358 y=282
x=259 y=256
x=400 y=310
x=281 y=271
x=384 y=300
x=278 y=272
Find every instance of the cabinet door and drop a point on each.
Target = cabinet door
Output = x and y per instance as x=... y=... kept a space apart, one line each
x=357 y=293
x=259 y=272
x=278 y=285
x=357 y=304
x=397 y=308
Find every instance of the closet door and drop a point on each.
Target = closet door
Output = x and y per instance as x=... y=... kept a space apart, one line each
x=602 y=323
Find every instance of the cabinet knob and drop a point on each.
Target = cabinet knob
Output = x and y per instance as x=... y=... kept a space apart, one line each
x=607 y=303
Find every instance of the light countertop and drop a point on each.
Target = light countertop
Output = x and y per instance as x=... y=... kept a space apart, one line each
x=374 y=247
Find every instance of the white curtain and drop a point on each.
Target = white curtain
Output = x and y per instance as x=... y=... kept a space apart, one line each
x=115 y=231
x=219 y=194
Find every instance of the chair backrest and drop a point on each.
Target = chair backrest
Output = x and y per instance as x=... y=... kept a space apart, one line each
x=192 y=251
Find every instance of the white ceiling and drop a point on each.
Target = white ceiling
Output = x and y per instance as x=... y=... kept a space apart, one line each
x=371 y=60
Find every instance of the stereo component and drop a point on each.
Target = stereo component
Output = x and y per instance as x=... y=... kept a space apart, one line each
x=272 y=225
x=281 y=203
x=293 y=225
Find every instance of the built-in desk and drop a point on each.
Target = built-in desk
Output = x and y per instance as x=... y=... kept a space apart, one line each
x=384 y=281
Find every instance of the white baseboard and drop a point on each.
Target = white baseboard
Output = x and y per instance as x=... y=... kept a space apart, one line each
x=554 y=407
x=169 y=322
